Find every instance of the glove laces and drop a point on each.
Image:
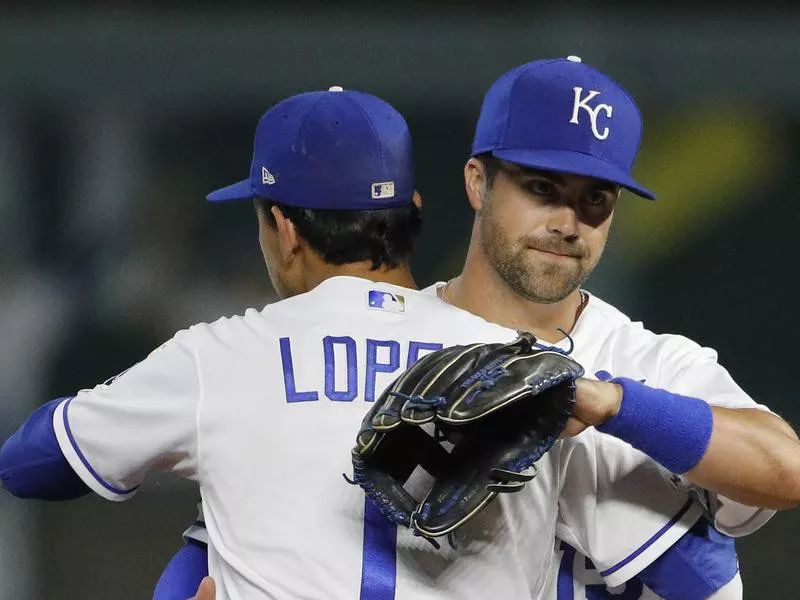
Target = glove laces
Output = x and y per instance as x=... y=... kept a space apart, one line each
x=419 y=401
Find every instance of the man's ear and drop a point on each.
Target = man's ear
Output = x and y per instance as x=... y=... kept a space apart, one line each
x=417 y=199
x=475 y=183
x=288 y=239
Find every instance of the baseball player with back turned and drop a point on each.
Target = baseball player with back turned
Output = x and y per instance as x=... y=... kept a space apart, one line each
x=554 y=143
x=261 y=410
x=593 y=393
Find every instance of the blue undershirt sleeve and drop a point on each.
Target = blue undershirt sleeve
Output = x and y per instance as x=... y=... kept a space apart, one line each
x=32 y=464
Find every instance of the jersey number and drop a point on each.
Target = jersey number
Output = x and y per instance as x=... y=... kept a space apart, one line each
x=632 y=590
x=379 y=559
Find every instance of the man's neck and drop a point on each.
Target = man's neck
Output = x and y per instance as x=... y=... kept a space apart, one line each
x=400 y=275
x=482 y=292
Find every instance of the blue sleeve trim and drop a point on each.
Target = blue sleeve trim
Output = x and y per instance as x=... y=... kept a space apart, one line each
x=649 y=542
x=85 y=462
x=32 y=464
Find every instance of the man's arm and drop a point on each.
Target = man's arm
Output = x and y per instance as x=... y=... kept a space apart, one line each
x=753 y=457
x=184 y=573
x=748 y=455
x=107 y=438
x=623 y=511
x=32 y=464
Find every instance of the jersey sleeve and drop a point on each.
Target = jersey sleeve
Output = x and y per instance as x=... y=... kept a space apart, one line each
x=702 y=564
x=617 y=506
x=145 y=418
x=692 y=370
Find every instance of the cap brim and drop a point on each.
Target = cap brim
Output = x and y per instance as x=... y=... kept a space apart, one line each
x=241 y=190
x=566 y=161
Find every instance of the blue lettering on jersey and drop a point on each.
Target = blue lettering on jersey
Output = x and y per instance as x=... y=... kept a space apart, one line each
x=351 y=392
x=387 y=361
x=292 y=395
x=631 y=590
x=379 y=555
x=374 y=367
x=417 y=350
x=565 y=589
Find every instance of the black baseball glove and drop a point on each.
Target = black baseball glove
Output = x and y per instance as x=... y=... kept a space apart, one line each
x=493 y=410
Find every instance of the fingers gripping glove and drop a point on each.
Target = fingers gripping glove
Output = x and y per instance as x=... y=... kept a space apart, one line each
x=494 y=409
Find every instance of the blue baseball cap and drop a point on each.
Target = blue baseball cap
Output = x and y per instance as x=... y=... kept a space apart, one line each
x=562 y=115
x=329 y=150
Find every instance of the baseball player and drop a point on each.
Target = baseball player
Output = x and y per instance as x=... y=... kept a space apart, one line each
x=554 y=144
x=297 y=279
x=261 y=409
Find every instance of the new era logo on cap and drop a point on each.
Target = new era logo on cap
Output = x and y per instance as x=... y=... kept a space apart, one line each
x=384 y=190
x=331 y=150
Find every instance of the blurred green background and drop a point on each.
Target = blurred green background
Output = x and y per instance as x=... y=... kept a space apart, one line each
x=116 y=121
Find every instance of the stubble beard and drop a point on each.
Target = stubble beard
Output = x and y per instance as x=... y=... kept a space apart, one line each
x=526 y=275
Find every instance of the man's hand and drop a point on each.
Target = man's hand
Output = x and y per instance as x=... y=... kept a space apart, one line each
x=207 y=590
x=752 y=456
x=595 y=403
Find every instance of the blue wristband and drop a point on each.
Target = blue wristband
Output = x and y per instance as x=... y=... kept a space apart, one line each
x=671 y=429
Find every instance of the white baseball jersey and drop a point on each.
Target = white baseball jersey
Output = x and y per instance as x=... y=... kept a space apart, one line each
x=262 y=410
x=607 y=343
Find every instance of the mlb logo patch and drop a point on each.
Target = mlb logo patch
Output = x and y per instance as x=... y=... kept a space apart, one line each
x=383 y=190
x=387 y=301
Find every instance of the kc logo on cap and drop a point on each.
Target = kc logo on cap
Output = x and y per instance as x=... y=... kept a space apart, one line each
x=564 y=116
x=583 y=103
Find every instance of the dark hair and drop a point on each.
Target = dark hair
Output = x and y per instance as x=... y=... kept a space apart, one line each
x=491 y=166
x=384 y=236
